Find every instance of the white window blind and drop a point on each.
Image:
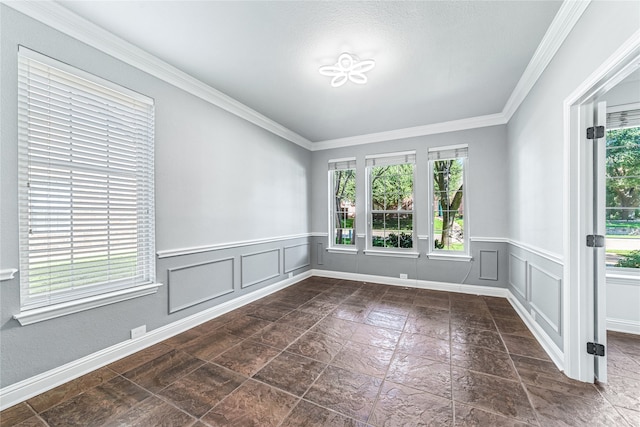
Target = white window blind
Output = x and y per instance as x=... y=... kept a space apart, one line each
x=86 y=188
x=623 y=119
x=448 y=153
x=391 y=159
x=342 y=164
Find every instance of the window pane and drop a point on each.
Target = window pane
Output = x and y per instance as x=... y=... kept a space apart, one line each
x=344 y=205
x=378 y=229
x=622 y=213
x=86 y=180
x=392 y=194
x=448 y=205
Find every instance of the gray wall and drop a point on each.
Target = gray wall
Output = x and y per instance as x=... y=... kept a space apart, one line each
x=536 y=161
x=219 y=179
x=625 y=92
x=536 y=133
x=486 y=202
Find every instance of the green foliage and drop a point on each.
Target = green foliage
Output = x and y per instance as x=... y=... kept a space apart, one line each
x=344 y=182
x=392 y=187
x=344 y=191
x=448 y=194
x=630 y=260
x=402 y=240
x=623 y=174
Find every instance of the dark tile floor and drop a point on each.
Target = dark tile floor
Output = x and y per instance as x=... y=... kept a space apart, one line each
x=327 y=352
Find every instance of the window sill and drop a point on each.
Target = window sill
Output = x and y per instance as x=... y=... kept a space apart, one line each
x=392 y=253
x=35 y=315
x=8 y=274
x=450 y=257
x=342 y=251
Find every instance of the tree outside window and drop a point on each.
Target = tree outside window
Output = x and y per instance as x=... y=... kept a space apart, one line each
x=623 y=198
x=344 y=207
x=392 y=206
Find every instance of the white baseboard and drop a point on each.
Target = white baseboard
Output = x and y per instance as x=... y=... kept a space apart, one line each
x=621 y=325
x=23 y=390
x=551 y=348
x=413 y=283
x=554 y=352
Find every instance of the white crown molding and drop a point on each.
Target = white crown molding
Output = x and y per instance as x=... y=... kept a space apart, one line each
x=61 y=19
x=562 y=24
x=432 y=129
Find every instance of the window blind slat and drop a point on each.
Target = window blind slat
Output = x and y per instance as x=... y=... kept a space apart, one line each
x=391 y=159
x=86 y=180
x=444 y=153
x=342 y=164
x=623 y=119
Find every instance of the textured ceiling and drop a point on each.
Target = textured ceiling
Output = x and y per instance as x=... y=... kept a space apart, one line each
x=435 y=61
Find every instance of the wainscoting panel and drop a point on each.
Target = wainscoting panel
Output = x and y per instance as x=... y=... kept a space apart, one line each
x=258 y=267
x=546 y=295
x=623 y=303
x=296 y=256
x=192 y=284
x=488 y=265
x=518 y=275
x=319 y=253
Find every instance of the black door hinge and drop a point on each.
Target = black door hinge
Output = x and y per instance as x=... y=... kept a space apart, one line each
x=595 y=349
x=595 y=132
x=595 y=241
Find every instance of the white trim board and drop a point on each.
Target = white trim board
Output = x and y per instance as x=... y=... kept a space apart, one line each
x=621 y=325
x=23 y=390
x=431 y=129
x=554 y=352
x=168 y=253
x=61 y=19
x=562 y=24
x=8 y=274
x=548 y=255
x=577 y=298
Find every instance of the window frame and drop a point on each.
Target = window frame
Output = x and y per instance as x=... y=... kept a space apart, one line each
x=333 y=166
x=71 y=298
x=432 y=251
x=616 y=119
x=410 y=158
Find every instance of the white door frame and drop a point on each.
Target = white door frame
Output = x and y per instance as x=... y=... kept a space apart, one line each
x=577 y=295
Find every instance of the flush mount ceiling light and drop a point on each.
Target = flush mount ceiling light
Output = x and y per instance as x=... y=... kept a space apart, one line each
x=348 y=67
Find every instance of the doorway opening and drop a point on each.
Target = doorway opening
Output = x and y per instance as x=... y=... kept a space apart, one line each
x=590 y=211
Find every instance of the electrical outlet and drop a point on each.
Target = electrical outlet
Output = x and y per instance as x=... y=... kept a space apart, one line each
x=403 y=276
x=138 y=332
x=290 y=274
x=533 y=314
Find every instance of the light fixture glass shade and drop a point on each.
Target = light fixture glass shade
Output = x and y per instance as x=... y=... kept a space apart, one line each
x=348 y=67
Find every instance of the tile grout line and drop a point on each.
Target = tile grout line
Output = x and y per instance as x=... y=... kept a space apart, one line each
x=319 y=375
x=384 y=378
x=513 y=365
x=453 y=404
